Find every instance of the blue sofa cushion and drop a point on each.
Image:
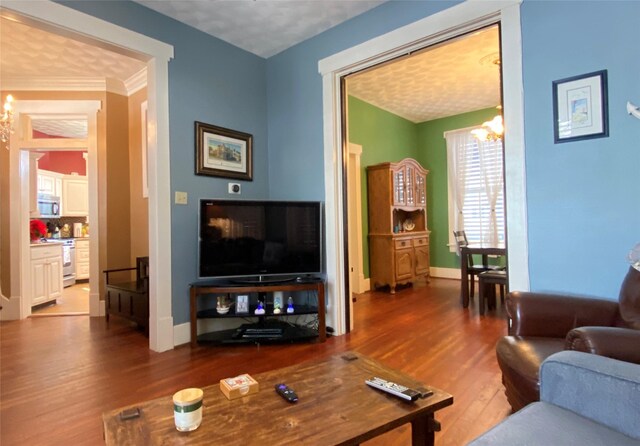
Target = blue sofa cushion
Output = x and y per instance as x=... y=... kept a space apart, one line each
x=604 y=390
x=543 y=424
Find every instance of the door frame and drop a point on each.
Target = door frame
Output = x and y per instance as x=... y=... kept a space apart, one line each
x=156 y=54
x=21 y=148
x=357 y=282
x=452 y=22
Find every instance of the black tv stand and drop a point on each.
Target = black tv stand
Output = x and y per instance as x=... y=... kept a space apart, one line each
x=262 y=280
x=289 y=332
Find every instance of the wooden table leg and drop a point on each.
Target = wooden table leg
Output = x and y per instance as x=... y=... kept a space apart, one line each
x=423 y=430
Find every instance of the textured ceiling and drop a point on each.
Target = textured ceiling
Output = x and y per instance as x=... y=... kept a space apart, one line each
x=457 y=77
x=262 y=27
x=438 y=82
x=67 y=128
x=30 y=52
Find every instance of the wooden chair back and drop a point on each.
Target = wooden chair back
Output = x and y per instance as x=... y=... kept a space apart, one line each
x=462 y=242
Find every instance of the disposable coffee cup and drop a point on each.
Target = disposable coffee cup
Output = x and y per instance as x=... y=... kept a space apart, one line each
x=187 y=409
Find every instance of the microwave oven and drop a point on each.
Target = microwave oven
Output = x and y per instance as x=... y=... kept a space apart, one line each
x=48 y=206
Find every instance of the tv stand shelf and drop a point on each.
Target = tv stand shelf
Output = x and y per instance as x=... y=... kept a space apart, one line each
x=202 y=289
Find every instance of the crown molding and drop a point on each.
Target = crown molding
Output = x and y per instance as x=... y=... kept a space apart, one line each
x=136 y=82
x=41 y=83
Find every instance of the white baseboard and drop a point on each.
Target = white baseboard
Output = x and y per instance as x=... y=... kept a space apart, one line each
x=445 y=273
x=182 y=334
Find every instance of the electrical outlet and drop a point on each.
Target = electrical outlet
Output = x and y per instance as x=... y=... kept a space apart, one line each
x=181 y=198
x=234 y=188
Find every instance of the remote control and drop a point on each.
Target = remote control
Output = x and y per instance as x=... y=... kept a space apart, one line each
x=393 y=388
x=286 y=393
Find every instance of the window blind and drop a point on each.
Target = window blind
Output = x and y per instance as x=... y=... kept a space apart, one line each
x=476 y=184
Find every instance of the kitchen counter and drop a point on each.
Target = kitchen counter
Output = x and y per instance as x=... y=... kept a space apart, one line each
x=47 y=242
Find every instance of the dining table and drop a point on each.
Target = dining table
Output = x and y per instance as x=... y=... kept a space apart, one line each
x=485 y=252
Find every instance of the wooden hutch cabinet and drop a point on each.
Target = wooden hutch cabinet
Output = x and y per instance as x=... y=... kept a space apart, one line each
x=398 y=234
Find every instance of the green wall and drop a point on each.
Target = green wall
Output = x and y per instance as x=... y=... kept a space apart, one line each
x=388 y=137
x=383 y=137
x=433 y=156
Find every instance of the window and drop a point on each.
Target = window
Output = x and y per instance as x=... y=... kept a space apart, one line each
x=476 y=188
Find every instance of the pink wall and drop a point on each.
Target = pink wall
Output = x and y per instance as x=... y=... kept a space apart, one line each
x=63 y=161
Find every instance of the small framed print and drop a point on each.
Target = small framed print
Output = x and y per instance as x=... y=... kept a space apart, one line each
x=242 y=303
x=580 y=109
x=277 y=301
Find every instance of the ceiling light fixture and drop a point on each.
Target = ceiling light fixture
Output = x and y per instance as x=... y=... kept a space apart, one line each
x=6 y=122
x=491 y=130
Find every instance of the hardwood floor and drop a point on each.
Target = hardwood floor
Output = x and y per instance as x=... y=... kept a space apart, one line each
x=73 y=302
x=58 y=374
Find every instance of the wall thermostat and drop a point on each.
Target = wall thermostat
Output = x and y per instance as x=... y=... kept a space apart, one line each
x=234 y=188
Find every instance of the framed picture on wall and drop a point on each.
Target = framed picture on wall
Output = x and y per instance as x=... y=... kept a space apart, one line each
x=580 y=109
x=223 y=152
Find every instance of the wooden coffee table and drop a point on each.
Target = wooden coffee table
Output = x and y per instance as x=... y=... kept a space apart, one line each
x=335 y=407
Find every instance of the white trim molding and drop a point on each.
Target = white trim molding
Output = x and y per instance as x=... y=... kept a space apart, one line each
x=156 y=54
x=68 y=83
x=445 y=273
x=136 y=82
x=437 y=28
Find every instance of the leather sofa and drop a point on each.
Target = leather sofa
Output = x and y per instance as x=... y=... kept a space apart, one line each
x=541 y=324
x=585 y=400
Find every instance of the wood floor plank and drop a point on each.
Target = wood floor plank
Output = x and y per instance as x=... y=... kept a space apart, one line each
x=58 y=374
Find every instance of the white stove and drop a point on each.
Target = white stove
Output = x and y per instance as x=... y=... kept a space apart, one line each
x=68 y=262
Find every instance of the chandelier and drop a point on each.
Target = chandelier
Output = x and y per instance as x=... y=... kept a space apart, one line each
x=6 y=122
x=490 y=130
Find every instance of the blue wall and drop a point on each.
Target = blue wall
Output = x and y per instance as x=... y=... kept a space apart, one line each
x=294 y=96
x=209 y=81
x=583 y=198
x=583 y=205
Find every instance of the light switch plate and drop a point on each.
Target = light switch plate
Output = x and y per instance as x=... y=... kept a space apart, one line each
x=181 y=197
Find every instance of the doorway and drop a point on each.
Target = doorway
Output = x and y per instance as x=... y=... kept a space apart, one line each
x=452 y=22
x=62 y=177
x=26 y=151
x=156 y=56
x=401 y=108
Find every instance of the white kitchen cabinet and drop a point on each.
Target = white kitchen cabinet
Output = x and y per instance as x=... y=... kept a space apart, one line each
x=49 y=182
x=82 y=259
x=75 y=196
x=46 y=273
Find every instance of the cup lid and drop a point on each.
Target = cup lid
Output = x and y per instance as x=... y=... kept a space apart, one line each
x=187 y=396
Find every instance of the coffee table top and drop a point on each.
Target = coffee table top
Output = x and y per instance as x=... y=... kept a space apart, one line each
x=335 y=407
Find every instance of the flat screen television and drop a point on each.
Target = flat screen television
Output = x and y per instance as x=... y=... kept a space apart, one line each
x=258 y=240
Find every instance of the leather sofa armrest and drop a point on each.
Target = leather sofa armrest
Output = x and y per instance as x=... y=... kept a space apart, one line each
x=554 y=315
x=613 y=342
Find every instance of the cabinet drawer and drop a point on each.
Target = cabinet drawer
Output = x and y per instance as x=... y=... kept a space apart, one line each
x=82 y=271
x=422 y=241
x=42 y=252
x=400 y=244
x=82 y=255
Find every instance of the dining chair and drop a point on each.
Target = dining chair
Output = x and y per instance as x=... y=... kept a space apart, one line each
x=487 y=282
x=473 y=269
